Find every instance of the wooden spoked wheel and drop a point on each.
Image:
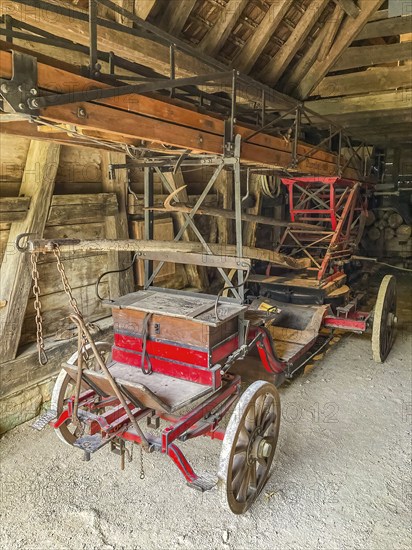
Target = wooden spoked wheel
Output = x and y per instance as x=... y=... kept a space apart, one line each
x=384 y=319
x=249 y=445
x=64 y=388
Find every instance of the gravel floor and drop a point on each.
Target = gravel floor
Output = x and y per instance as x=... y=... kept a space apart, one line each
x=341 y=477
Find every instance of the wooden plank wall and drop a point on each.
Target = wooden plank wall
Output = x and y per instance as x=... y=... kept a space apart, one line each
x=78 y=209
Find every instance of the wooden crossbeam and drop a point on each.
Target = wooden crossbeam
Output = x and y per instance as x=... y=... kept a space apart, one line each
x=218 y=34
x=386 y=27
x=350 y=29
x=175 y=16
x=249 y=54
x=373 y=80
x=278 y=64
x=364 y=56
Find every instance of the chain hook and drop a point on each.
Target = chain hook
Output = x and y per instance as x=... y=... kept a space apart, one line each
x=19 y=238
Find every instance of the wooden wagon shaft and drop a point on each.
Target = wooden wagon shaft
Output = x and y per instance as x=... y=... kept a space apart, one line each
x=168 y=251
x=131 y=117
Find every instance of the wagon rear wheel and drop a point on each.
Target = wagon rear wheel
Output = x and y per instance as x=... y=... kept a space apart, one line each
x=384 y=319
x=249 y=445
x=64 y=388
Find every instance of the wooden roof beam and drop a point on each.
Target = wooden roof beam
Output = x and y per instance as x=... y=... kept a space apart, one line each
x=388 y=101
x=249 y=54
x=365 y=56
x=217 y=36
x=348 y=32
x=349 y=7
x=272 y=72
x=373 y=80
x=386 y=27
x=175 y=16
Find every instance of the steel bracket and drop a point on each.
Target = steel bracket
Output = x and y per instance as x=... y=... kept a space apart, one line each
x=22 y=87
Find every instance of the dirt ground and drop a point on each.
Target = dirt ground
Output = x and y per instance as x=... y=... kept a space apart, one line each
x=341 y=477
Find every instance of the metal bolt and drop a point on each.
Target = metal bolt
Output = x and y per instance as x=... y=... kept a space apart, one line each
x=265 y=449
x=33 y=91
x=20 y=88
x=34 y=104
x=21 y=106
x=4 y=88
x=81 y=112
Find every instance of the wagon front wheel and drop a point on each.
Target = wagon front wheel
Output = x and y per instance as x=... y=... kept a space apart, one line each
x=249 y=445
x=64 y=388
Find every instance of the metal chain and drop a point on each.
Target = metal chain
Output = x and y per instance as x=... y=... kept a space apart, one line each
x=69 y=291
x=142 y=474
x=66 y=285
x=37 y=307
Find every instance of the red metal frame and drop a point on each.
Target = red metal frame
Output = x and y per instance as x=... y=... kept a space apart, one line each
x=198 y=422
x=331 y=207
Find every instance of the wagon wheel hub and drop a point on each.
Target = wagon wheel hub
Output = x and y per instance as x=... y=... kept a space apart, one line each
x=258 y=448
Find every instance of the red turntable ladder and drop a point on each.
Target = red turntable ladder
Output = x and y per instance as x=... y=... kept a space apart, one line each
x=335 y=210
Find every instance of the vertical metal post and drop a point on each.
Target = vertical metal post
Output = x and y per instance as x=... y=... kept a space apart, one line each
x=148 y=219
x=238 y=214
x=8 y=24
x=238 y=232
x=365 y=161
x=172 y=67
x=338 y=158
x=112 y=62
x=296 y=137
x=263 y=108
x=92 y=37
x=233 y=105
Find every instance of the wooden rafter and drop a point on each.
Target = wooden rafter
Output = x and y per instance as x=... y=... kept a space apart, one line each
x=142 y=8
x=332 y=26
x=292 y=77
x=272 y=72
x=364 y=56
x=217 y=36
x=249 y=54
x=350 y=29
x=350 y=7
x=175 y=16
